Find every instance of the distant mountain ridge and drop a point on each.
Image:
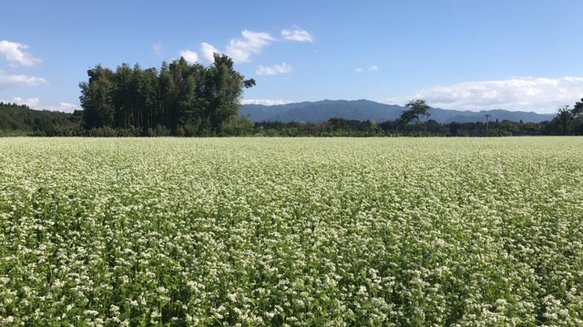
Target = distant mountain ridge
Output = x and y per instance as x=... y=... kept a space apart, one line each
x=363 y=110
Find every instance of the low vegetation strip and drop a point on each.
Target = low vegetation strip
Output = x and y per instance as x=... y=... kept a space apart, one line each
x=291 y=232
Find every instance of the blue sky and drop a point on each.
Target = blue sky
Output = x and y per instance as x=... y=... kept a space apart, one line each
x=455 y=54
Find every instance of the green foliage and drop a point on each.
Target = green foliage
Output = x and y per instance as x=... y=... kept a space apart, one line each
x=189 y=100
x=169 y=111
x=417 y=108
x=568 y=121
x=240 y=126
x=343 y=127
x=20 y=120
x=297 y=232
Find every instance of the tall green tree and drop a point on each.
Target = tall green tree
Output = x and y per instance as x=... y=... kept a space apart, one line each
x=124 y=96
x=561 y=124
x=224 y=87
x=97 y=98
x=167 y=98
x=146 y=97
x=417 y=108
x=577 y=123
x=184 y=107
x=577 y=110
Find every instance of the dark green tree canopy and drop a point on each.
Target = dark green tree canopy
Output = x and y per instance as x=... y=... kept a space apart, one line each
x=568 y=121
x=418 y=108
x=181 y=97
x=578 y=109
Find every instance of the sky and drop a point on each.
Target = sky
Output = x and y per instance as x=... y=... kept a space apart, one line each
x=455 y=54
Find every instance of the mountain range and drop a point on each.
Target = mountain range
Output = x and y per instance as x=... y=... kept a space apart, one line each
x=363 y=110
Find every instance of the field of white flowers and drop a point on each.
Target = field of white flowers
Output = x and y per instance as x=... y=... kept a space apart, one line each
x=297 y=232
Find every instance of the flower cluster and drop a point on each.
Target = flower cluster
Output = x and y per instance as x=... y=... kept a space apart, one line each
x=291 y=232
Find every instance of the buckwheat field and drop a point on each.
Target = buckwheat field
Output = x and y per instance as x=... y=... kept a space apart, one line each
x=291 y=232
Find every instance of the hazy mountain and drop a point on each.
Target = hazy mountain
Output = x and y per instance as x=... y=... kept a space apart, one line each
x=363 y=110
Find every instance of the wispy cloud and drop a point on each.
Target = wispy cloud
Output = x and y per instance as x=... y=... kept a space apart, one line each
x=157 y=49
x=16 y=55
x=63 y=106
x=208 y=51
x=265 y=102
x=190 y=56
x=273 y=70
x=241 y=50
x=26 y=80
x=250 y=44
x=372 y=68
x=68 y=107
x=297 y=35
x=31 y=102
x=538 y=94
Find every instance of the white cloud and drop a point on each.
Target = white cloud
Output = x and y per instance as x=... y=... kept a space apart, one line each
x=30 y=102
x=541 y=95
x=573 y=79
x=190 y=56
x=265 y=102
x=208 y=51
x=298 y=35
x=63 y=107
x=372 y=68
x=250 y=44
x=241 y=50
x=274 y=70
x=68 y=107
x=157 y=49
x=21 y=80
x=16 y=55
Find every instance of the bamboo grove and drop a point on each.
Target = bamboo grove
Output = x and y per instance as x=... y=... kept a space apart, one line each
x=181 y=98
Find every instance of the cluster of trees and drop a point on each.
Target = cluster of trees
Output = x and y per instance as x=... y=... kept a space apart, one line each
x=181 y=99
x=567 y=121
x=18 y=120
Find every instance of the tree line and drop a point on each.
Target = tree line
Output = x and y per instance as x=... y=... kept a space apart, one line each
x=180 y=99
x=567 y=122
x=21 y=120
x=183 y=99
